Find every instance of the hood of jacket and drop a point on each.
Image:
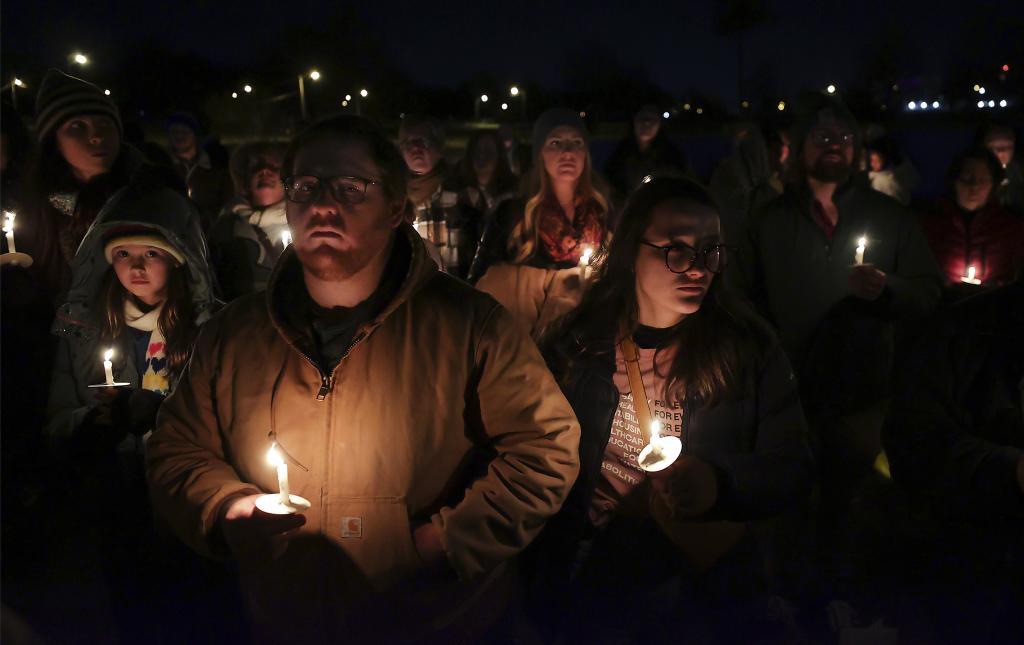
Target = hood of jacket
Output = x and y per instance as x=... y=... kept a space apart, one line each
x=136 y=206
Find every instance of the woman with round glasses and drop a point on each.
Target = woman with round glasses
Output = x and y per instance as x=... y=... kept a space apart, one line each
x=660 y=337
x=531 y=256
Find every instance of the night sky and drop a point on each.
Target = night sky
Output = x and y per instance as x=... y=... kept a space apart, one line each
x=442 y=44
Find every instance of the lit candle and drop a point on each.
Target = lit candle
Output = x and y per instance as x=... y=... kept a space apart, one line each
x=862 y=244
x=276 y=459
x=286 y=237
x=655 y=431
x=108 y=367
x=9 y=230
x=971 y=277
x=585 y=261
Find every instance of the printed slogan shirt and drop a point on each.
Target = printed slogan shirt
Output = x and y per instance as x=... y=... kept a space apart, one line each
x=620 y=474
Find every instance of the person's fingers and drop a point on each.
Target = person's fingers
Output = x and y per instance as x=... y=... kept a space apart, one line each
x=267 y=524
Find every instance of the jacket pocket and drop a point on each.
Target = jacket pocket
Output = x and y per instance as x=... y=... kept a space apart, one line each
x=375 y=534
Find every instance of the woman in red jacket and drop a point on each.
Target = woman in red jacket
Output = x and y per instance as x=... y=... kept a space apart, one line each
x=977 y=243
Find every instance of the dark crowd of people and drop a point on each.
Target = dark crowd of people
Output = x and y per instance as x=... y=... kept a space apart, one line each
x=350 y=387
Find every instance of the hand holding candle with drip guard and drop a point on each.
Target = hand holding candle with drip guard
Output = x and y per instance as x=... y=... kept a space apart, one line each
x=866 y=282
x=687 y=488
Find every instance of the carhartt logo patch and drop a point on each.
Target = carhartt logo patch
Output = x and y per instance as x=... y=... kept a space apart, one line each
x=351 y=527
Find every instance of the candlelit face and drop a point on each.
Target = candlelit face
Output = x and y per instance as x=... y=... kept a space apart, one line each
x=676 y=295
x=420 y=151
x=183 y=140
x=564 y=154
x=646 y=125
x=143 y=271
x=1001 y=144
x=485 y=158
x=828 y=151
x=265 y=187
x=90 y=144
x=973 y=185
x=334 y=239
x=876 y=162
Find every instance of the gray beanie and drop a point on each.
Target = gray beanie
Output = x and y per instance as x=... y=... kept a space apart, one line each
x=62 y=96
x=552 y=119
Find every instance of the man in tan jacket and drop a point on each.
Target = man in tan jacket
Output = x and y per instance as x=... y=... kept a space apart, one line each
x=415 y=416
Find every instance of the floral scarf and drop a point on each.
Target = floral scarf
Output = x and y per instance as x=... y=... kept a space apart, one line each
x=156 y=376
x=563 y=240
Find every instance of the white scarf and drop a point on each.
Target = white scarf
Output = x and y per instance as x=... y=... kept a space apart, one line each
x=156 y=376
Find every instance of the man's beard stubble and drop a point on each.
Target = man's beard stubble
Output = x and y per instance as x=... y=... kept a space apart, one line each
x=829 y=172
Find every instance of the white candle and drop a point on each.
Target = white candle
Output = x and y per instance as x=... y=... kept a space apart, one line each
x=862 y=244
x=655 y=431
x=108 y=367
x=9 y=230
x=276 y=459
x=971 y=277
x=286 y=237
x=585 y=262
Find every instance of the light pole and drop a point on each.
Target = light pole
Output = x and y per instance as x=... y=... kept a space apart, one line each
x=15 y=84
x=514 y=91
x=483 y=98
x=313 y=75
x=363 y=93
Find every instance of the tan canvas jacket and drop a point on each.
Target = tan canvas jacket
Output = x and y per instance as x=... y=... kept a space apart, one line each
x=442 y=410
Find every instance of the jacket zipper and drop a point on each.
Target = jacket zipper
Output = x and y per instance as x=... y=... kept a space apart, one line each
x=327 y=380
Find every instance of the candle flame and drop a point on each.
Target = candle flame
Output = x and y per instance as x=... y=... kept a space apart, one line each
x=109 y=354
x=862 y=242
x=286 y=238
x=655 y=430
x=587 y=252
x=274 y=455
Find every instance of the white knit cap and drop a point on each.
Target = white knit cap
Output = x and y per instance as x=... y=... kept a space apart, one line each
x=145 y=240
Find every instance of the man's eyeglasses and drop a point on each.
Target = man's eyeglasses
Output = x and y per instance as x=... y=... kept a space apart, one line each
x=303 y=189
x=680 y=258
x=831 y=137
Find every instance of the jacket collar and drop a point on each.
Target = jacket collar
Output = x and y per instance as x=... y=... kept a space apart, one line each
x=283 y=293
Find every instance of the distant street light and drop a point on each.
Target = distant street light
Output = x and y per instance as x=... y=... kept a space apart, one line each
x=781 y=106
x=106 y=92
x=247 y=89
x=745 y=104
x=700 y=110
x=514 y=91
x=363 y=93
x=981 y=104
x=234 y=95
x=314 y=75
x=981 y=90
x=15 y=84
x=18 y=82
x=936 y=105
x=911 y=106
x=483 y=98
x=977 y=88
x=831 y=89
x=504 y=106
x=991 y=103
x=348 y=97
x=1002 y=103
x=686 y=106
x=665 y=115
x=344 y=103
x=80 y=58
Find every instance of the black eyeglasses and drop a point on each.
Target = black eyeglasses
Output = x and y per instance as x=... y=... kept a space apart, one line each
x=830 y=137
x=680 y=258
x=303 y=189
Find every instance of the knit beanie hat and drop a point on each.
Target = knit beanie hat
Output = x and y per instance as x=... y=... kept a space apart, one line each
x=143 y=236
x=552 y=119
x=62 y=96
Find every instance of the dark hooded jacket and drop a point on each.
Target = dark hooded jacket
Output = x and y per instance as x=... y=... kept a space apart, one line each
x=842 y=347
x=78 y=321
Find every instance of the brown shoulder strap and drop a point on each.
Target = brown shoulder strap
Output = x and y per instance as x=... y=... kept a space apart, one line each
x=636 y=381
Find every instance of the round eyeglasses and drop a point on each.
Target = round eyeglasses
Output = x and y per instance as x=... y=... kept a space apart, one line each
x=680 y=258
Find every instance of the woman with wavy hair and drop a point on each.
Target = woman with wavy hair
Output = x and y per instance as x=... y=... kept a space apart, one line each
x=530 y=255
x=659 y=354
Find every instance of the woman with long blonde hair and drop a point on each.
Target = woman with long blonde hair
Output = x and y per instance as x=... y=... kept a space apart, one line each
x=534 y=257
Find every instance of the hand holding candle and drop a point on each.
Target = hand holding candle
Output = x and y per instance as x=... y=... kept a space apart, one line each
x=660 y=452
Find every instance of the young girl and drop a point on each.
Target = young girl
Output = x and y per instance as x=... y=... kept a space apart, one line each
x=140 y=289
x=658 y=337
x=530 y=252
x=79 y=163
